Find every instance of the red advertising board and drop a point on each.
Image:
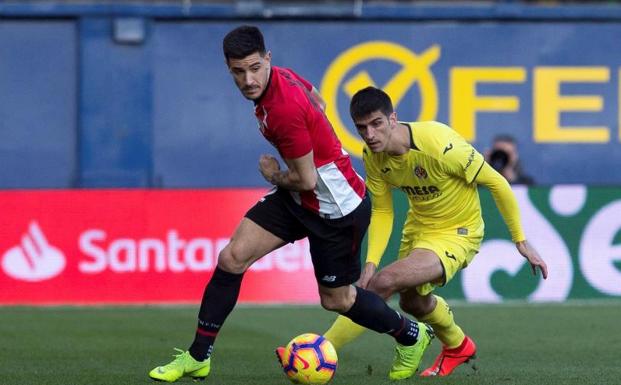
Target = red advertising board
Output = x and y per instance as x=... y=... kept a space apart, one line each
x=134 y=246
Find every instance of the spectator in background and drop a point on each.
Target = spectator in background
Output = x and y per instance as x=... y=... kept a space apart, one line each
x=504 y=158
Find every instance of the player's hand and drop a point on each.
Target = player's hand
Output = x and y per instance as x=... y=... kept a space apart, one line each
x=367 y=273
x=533 y=258
x=268 y=166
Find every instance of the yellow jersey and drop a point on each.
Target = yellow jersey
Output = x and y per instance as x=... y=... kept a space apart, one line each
x=436 y=174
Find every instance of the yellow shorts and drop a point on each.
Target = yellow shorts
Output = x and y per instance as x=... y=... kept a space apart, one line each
x=454 y=251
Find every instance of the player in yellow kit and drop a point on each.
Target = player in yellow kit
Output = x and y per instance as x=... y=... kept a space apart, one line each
x=439 y=171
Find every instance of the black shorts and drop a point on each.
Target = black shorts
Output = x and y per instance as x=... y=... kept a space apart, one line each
x=334 y=243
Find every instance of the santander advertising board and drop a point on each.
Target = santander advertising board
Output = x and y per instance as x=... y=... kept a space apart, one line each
x=135 y=246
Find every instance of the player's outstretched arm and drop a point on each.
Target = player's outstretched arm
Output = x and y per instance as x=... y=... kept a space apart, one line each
x=504 y=199
x=508 y=207
x=380 y=228
x=533 y=258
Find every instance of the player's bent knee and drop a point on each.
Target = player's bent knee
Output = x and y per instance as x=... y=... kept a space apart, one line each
x=331 y=305
x=382 y=284
x=335 y=302
x=233 y=261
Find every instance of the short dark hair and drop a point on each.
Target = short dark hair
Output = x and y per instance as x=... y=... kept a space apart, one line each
x=243 y=41
x=504 y=138
x=367 y=101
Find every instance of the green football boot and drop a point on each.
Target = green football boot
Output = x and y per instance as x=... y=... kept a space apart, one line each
x=407 y=358
x=183 y=365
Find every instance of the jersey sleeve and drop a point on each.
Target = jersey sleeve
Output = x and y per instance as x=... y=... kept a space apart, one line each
x=382 y=212
x=459 y=156
x=304 y=82
x=292 y=138
x=380 y=228
x=375 y=184
x=504 y=199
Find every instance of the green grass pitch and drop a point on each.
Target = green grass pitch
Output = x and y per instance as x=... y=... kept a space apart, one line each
x=518 y=344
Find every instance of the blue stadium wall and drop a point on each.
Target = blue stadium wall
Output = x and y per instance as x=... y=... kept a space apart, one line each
x=98 y=95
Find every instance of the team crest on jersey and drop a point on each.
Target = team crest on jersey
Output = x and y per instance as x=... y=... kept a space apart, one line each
x=420 y=172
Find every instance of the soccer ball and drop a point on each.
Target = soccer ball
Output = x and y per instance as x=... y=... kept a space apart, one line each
x=310 y=359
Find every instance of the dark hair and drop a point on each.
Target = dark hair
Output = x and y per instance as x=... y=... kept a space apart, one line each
x=367 y=101
x=504 y=138
x=243 y=41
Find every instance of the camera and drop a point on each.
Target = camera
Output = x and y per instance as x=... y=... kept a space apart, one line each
x=498 y=159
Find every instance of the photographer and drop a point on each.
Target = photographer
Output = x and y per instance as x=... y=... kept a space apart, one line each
x=504 y=158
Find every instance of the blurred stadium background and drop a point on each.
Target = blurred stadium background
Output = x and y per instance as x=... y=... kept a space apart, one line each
x=128 y=157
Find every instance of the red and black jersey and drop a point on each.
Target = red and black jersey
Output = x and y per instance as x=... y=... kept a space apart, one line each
x=291 y=119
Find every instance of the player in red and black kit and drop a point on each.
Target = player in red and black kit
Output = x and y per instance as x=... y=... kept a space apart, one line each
x=318 y=195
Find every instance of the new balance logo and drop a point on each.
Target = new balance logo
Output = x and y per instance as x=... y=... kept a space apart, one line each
x=448 y=148
x=34 y=259
x=329 y=278
x=385 y=170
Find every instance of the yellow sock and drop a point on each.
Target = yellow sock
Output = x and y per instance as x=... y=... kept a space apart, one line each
x=343 y=331
x=442 y=322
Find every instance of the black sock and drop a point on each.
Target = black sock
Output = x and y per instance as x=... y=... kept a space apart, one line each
x=218 y=301
x=372 y=312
